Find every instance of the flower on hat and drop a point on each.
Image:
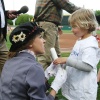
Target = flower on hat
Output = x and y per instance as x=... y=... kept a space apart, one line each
x=15 y=38
x=20 y=37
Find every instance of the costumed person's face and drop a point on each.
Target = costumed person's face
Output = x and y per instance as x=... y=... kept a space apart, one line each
x=38 y=45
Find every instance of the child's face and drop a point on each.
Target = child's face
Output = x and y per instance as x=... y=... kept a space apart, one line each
x=38 y=45
x=78 y=32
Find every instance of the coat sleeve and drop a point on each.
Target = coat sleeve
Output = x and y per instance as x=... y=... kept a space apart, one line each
x=65 y=5
x=35 y=80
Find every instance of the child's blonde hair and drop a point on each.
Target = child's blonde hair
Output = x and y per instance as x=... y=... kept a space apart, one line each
x=84 y=19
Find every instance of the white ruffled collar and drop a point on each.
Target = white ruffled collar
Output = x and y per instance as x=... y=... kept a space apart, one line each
x=29 y=51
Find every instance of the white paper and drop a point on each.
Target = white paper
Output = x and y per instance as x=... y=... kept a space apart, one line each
x=53 y=53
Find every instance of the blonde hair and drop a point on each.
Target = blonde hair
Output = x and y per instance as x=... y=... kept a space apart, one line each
x=84 y=19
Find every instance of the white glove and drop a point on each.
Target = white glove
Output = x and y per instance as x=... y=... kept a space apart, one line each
x=51 y=71
x=60 y=79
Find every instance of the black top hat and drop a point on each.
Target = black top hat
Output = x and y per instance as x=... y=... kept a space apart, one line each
x=23 y=33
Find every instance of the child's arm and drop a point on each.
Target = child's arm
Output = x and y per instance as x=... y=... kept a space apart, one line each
x=78 y=64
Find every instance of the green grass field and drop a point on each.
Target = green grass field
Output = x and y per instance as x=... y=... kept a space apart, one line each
x=65 y=54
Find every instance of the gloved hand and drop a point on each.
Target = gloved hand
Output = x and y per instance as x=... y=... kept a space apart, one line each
x=60 y=79
x=51 y=71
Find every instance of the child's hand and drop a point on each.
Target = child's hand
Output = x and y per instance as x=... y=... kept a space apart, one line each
x=60 y=60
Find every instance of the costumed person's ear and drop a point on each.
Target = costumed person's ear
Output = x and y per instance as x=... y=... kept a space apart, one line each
x=98 y=18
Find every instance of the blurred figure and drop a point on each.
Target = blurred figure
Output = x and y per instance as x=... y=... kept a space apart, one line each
x=4 y=15
x=48 y=15
x=98 y=77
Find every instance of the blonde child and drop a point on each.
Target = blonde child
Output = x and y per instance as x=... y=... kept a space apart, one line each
x=81 y=82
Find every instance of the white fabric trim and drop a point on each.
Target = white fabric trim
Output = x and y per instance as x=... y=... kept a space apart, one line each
x=29 y=51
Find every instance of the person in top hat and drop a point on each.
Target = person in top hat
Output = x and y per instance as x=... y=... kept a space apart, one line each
x=22 y=77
